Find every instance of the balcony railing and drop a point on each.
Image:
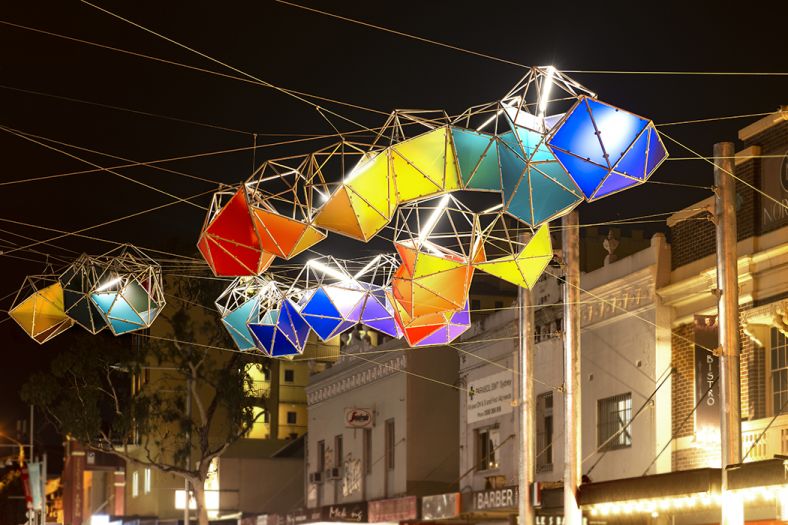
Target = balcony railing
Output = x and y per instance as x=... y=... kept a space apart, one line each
x=774 y=441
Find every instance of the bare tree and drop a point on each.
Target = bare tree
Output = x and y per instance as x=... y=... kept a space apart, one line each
x=128 y=396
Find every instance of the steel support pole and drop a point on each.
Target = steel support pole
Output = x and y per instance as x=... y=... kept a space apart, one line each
x=189 y=459
x=570 y=235
x=527 y=408
x=728 y=310
x=31 y=511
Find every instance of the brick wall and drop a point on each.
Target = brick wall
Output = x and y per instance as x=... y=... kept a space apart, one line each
x=691 y=240
x=683 y=391
x=753 y=389
x=695 y=238
x=690 y=458
x=770 y=140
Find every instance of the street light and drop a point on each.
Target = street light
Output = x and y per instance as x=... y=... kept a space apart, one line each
x=20 y=445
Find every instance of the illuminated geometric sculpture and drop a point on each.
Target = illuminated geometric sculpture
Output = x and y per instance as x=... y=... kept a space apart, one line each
x=439 y=242
x=38 y=308
x=375 y=278
x=424 y=165
x=433 y=329
x=277 y=327
x=536 y=188
x=397 y=168
x=606 y=149
x=238 y=305
x=334 y=298
x=477 y=158
x=378 y=313
x=128 y=293
x=281 y=331
x=365 y=202
x=230 y=240
x=77 y=282
x=329 y=308
x=281 y=194
x=523 y=265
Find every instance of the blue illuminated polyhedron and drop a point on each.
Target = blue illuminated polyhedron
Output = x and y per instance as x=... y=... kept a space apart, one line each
x=331 y=309
x=606 y=149
x=536 y=187
x=240 y=304
x=282 y=331
x=128 y=293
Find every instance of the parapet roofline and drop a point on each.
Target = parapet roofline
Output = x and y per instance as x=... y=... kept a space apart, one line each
x=759 y=126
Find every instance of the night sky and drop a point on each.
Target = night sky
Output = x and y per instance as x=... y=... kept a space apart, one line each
x=305 y=51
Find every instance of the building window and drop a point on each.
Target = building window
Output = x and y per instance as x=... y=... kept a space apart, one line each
x=321 y=456
x=487 y=441
x=338 y=452
x=291 y=418
x=498 y=305
x=476 y=305
x=544 y=432
x=256 y=386
x=289 y=375
x=368 y=450
x=779 y=367
x=613 y=417
x=146 y=483
x=390 y=444
x=135 y=484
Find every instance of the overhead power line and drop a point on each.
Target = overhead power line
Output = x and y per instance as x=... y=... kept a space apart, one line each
x=228 y=66
x=185 y=66
x=128 y=110
x=518 y=64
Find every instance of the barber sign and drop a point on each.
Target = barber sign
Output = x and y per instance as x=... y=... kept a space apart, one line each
x=359 y=417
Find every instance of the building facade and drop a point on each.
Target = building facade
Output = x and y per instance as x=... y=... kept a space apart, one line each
x=377 y=433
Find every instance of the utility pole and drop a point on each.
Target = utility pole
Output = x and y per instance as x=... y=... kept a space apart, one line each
x=31 y=431
x=189 y=440
x=527 y=409
x=728 y=311
x=31 y=513
x=44 y=488
x=570 y=237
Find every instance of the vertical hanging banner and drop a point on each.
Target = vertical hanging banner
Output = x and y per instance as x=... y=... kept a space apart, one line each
x=34 y=479
x=707 y=372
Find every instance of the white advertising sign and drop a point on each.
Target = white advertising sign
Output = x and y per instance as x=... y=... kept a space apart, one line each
x=490 y=396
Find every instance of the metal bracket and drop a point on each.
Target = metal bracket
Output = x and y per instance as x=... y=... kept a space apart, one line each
x=717 y=352
x=716 y=292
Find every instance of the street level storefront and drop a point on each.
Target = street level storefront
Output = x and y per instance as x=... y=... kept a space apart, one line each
x=334 y=514
x=758 y=493
x=441 y=507
x=394 y=510
x=501 y=505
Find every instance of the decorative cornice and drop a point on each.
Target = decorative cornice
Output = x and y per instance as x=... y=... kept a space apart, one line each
x=620 y=297
x=356 y=377
x=773 y=315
